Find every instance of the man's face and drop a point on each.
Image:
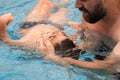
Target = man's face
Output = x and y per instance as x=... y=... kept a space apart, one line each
x=93 y=10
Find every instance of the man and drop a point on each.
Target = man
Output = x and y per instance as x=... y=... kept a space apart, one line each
x=101 y=17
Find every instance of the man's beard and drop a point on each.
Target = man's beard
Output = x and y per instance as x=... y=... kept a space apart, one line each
x=98 y=13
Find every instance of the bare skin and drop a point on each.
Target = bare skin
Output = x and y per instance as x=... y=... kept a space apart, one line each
x=34 y=38
x=108 y=26
x=102 y=17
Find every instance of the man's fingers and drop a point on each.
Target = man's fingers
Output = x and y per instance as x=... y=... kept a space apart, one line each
x=50 y=47
x=40 y=45
x=67 y=59
x=74 y=25
x=48 y=35
x=45 y=47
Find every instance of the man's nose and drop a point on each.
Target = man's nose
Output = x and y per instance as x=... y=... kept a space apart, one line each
x=78 y=4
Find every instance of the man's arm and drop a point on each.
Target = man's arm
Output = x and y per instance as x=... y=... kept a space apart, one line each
x=96 y=64
x=112 y=60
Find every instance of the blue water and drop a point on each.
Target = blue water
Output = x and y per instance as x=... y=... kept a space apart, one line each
x=21 y=65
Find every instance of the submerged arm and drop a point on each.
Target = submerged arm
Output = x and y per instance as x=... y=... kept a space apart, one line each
x=96 y=64
x=111 y=61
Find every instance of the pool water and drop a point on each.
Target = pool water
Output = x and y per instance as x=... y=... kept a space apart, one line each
x=16 y=64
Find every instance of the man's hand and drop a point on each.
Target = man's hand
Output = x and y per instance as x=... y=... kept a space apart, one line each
x=68 y=60
x=46 y=49
x=44 y=45
x=74 y=25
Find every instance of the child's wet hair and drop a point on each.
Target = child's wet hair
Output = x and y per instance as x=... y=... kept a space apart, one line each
x=67 y=49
